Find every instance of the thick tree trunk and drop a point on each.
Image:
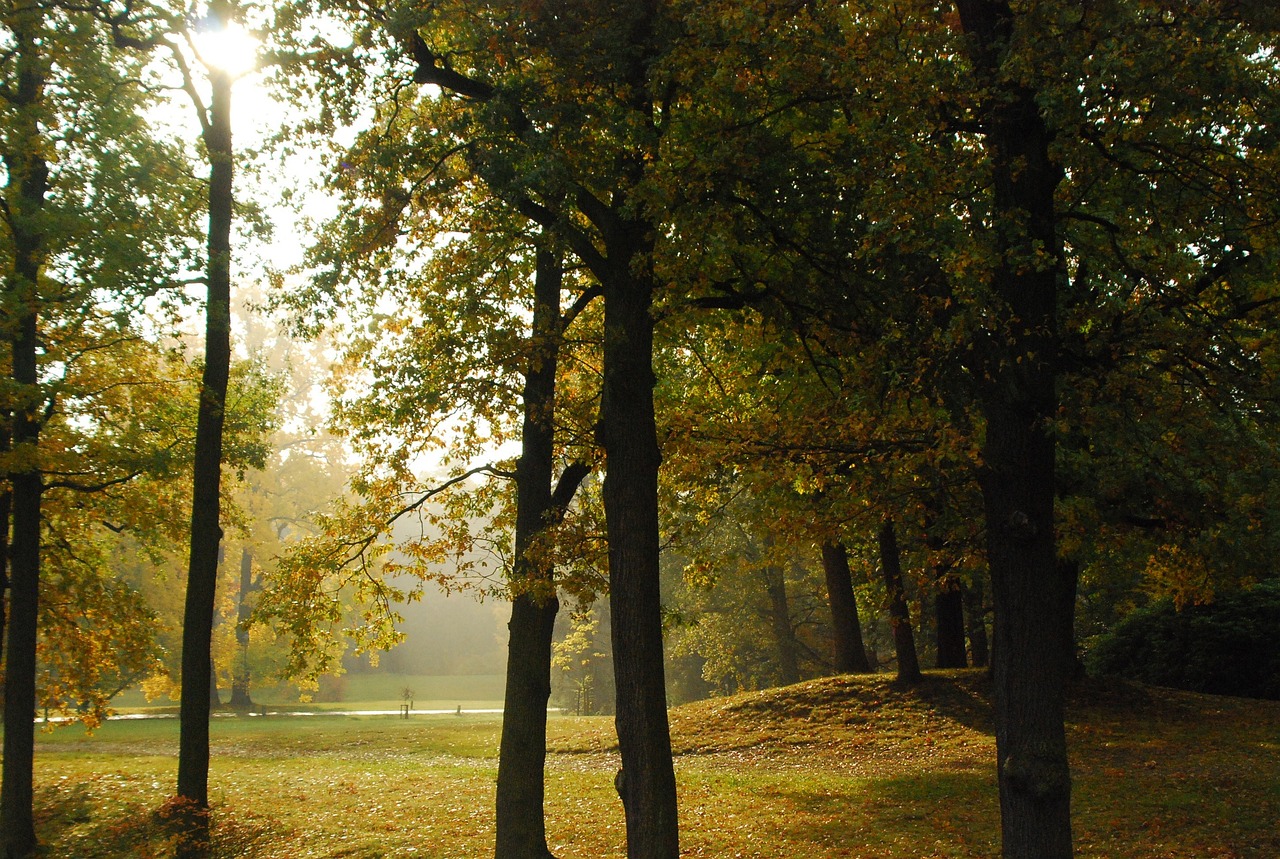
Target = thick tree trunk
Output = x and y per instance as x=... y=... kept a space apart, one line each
x=1019 y=402
x=240 y=698
x=948 y=609
x=628 y=434
x=27 y=190
x=206 y=530
x=850 y=650
x=521 y=824
x=784 y=635
x=904 y=640
x=976 y=624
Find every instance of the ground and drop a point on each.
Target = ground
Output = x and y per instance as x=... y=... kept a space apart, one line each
x=839 y=767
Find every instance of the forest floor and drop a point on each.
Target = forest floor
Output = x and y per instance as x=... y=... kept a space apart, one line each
x=838 y=767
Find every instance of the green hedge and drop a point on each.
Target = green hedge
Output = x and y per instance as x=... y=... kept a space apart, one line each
x=1229 y=647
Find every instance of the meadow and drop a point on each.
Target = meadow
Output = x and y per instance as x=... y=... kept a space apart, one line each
x=838 y=767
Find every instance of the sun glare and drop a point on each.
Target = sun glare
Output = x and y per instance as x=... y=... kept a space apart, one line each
x=231 y=48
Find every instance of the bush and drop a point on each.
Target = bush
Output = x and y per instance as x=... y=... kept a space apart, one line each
x=1229 y=647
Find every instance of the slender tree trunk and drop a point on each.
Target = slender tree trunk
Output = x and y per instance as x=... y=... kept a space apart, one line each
x=628 y=433
x=850 y=650
x=206 y=530
x=976 y=621
x=521 y=822
x=1019 y=402
x=6 y=506
x=904 y=640
x=784 y=635
x=240 y=698
x=26 y=193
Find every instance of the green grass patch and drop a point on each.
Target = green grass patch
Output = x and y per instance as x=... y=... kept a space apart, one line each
x=842 y=767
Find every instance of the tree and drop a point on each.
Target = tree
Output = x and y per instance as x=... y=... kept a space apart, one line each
x=86 y=238
x=850 y=652
x=899 y=615
x=595 y=182
x=521 y=827
x=1067 y=202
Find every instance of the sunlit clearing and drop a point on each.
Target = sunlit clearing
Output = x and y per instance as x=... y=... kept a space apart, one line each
x=231 y=48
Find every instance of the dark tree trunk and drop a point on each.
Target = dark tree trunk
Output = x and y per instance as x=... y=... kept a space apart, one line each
x=521 y=823
x=948 y=607
x=206 y=530
x=948 y=602
x=1069 y=576
x=976 y=619
x=26 y=193
x=1019 y=402
x=6 y=506
x=619 y=254
x=904 y=640
x=850 y=651
x=784 y=635
x=628 y=433
x=240 y=698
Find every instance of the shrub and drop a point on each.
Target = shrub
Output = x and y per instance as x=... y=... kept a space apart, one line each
x=1229 y=647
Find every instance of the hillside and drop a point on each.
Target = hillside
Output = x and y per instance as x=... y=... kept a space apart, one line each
x=1157 y=773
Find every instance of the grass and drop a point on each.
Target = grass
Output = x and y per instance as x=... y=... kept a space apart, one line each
x=840 y=767
x=374 y=691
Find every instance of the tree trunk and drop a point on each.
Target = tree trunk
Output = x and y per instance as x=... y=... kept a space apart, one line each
x=948 y=607
x=850 y=651
x=521 y=823
x=784 y=636
x=1019 y=402
x=976 y=619
x=206 y=530
x=628 y=433
x=1069 y=576
x=6 y=505
x=240 y=698
x=29 y=175
x=904 y=640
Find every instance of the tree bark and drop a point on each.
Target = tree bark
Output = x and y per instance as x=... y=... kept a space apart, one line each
x=904 y=640
x=521 y=821
x=948 y=608
x=6 y=505
x=29 y=175
x=206 y=530
x=1019 y=401
x=240 y=698
x=976 y=624
x=628 y=433
x=850 y=650
x=784 y=635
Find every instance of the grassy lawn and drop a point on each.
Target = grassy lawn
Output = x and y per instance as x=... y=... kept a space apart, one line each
x=842 y=767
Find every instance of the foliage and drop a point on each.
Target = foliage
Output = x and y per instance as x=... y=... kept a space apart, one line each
x=1225 y=647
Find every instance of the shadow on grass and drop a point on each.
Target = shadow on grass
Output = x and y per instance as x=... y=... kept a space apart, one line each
x=76 y=821
x=951 y=815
